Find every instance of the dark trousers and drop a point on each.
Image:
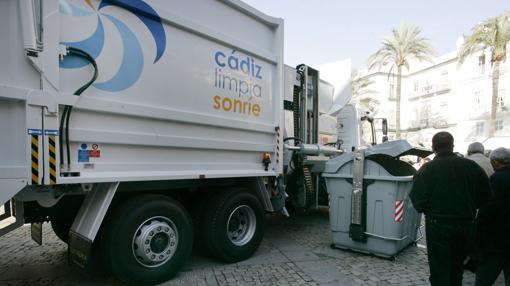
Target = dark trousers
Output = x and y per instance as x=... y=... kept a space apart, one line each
x=447 y=247
x=489 y=269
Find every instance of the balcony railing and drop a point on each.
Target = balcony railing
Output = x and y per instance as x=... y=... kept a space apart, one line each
x=441 y=87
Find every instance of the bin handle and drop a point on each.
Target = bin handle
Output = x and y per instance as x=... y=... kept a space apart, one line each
x=385 y=237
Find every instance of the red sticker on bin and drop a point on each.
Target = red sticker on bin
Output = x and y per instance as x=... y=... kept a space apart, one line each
x=399 y=211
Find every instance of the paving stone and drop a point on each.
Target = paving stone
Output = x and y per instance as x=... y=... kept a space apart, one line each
x=295 y=251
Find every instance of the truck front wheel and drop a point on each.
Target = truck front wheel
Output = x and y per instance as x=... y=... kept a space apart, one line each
x=233 y=225
x=147 y=239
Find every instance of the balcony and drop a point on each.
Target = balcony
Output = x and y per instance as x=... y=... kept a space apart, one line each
x=431 y=89
x=444 y=86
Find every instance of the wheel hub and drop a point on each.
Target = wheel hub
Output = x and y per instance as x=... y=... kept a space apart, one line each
x=159 y=242
x=155 y=241
x=241 y=225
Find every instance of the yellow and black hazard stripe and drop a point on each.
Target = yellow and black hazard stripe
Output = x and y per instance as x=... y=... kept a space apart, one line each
x=53 y=160
x=35 y=159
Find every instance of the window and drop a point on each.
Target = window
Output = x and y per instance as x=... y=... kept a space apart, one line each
x=415 y=85
x=499 y=125
x=425 y=114
x=481 y=64
x=366 y=133
x=477 y=100
x=500 y=102
x=391 y=117
x=479 y=128
x=428 y=87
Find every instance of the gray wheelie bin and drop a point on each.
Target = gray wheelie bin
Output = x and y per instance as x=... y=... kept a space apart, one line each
x=370 y=209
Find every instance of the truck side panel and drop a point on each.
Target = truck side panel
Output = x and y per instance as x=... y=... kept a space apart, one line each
x=184 y=91
x=179 y=95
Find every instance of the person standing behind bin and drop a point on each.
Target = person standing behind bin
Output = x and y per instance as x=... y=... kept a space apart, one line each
x=475 y=153
x=449 y=190
x=493 y=224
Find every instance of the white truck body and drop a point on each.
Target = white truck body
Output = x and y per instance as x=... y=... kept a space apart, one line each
x=184 y=91
x=179 y=139
x=186 y=110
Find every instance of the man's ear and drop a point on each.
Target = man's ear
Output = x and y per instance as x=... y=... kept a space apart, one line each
x=495 y=164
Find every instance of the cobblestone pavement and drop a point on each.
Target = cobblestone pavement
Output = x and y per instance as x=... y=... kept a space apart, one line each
x=295 y=251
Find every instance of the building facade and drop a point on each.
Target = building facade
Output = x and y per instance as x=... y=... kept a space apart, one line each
x=443 y=96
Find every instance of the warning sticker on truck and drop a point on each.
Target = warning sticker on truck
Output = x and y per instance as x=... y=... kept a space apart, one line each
x=87 y=151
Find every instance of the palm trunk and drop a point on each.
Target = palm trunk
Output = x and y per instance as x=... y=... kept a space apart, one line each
x=397 y=102
x=495 y=84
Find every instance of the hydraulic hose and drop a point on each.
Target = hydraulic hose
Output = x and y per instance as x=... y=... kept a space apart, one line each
x=64 y=120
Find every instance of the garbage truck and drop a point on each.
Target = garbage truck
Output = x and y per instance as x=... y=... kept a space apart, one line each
x=137 y=128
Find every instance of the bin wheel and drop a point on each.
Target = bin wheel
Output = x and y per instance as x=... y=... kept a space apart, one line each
x=61 y=229
x=233 y=226
x=147 y=239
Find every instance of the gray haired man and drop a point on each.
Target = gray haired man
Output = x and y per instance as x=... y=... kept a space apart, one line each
x=494 y=223
x=475 y=152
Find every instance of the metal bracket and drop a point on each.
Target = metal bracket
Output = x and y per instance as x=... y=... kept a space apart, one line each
x=18 y=212
x=357 y=228
x=87 y=222
x=357 y=186
x=36 y=230
x=421 y=230
x=7 y=211
x=94 y=207
x=261 y=189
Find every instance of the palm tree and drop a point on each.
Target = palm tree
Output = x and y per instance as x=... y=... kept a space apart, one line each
x=492 y=34
x=398 y=50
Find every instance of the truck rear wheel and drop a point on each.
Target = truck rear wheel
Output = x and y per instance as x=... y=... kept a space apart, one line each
x=147 y=239
x=233 y=226
x=61 y=229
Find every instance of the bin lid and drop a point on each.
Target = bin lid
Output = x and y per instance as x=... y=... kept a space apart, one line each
x=393 y=149
x=397 y=148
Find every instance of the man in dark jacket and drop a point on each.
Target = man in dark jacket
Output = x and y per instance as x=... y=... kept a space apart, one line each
x=493 y=231
x=449 y=190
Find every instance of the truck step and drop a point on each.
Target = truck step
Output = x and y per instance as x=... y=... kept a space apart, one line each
x=11 y=216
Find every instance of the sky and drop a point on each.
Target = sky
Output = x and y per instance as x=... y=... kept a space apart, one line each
x=322 y=31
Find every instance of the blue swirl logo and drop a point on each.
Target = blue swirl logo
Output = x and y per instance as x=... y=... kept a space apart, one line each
x=132 y=62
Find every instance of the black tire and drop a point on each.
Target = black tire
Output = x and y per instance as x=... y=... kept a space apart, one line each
x=161 y=221
x=231 y=211
x=61 y=229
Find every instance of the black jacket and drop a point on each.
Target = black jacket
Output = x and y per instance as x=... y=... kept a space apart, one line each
x=494 y=217
x=450 y=187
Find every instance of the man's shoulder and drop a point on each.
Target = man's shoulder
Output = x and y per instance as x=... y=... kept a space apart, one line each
x=456 y=161
x=465 y=161
x=477 y=157
x=454 y=158
x=475 y=166
x=503 y=174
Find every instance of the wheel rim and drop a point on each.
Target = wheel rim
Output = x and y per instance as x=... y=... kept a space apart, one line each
x=241 y=225
x=155 y=241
